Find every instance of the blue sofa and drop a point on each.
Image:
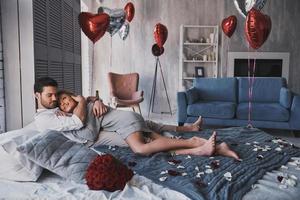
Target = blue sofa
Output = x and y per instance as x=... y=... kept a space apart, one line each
x=224 y=102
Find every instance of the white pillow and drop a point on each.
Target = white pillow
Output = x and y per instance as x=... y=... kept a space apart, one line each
x=15 y=166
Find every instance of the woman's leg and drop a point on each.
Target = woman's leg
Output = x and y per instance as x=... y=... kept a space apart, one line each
x=196 y=126
x=224 y=150
x=160 y=128
x=137 y=144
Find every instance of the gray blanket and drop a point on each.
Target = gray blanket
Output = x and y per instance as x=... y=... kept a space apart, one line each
x=202 y=177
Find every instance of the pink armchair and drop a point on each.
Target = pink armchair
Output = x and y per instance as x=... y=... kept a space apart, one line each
x=123 y=88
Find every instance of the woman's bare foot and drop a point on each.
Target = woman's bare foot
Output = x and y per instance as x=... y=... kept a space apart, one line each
x=206 y=149
x=196 y=126
x=224 y=150
x=197 y=141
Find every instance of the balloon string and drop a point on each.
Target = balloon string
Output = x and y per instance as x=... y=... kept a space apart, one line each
x=249 y=89
x=93 y=56
x=110 y=58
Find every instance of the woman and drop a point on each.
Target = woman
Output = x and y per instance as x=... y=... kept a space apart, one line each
x=131 y=126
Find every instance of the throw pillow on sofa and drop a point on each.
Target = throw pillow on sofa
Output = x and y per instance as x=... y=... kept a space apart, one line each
x=192 y=95
x=285 y=97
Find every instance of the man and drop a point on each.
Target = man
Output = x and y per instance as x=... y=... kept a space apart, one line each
x=49 y=117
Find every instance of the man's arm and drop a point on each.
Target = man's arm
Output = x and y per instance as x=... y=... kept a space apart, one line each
x=99 y=108
x=49 y=120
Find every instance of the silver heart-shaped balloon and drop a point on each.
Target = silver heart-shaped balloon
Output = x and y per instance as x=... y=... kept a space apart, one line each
x=124 y=31
x=243 y=6
x=116 y=20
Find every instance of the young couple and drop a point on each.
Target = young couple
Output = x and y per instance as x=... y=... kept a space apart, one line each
x=82 y=119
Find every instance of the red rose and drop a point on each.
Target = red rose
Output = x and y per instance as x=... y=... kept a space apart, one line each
x=107 y=173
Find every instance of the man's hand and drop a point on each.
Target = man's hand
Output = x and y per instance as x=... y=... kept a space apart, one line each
x=60 y=113
x=99 y=108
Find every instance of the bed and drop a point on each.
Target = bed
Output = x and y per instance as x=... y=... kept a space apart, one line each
x=149 y=186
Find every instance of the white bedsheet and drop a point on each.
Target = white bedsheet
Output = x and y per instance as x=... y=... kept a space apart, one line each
x=51 y=186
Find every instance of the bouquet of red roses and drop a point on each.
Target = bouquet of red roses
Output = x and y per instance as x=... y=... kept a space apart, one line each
x=105 y=172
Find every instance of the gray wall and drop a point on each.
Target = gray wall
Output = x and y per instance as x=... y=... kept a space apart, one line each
x=134 y=54
x=284 y=36
x=2 y=110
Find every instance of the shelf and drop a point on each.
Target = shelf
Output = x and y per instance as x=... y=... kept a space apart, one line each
x=198 y=61
x=200 y=44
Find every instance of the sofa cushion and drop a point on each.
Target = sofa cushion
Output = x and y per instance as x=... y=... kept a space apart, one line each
x=263 y=111
x=216 y=89
x=285 y=97
x=212 y=109
x=265 y=89
x=192 y=95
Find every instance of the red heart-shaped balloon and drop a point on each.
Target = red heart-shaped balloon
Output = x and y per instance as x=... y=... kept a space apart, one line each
x=129 y=10
x=257 y=28
x=93 y=25
x=229 y=25
x=160 y=34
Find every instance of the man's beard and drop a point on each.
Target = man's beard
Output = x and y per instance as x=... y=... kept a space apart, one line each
x=49 y=106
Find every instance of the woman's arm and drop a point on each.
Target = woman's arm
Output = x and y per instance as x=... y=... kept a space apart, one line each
x=80 y=109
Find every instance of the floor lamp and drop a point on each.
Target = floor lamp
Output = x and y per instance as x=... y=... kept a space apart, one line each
x=153 y=91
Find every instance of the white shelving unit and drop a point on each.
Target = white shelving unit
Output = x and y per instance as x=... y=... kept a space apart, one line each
x=198 y=48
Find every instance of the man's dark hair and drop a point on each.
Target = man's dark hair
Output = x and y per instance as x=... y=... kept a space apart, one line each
x=44 y=82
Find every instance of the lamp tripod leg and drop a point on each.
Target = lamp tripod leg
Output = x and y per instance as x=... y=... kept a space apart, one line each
x=162 y=75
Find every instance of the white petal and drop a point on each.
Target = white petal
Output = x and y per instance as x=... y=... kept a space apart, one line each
x=255 y=149
x=284 y=167
x=283 y=186
x=247 y=143
x=227 y=175
x=171 y=163
x=164 y=172
x=180 y=167
x=291 y=182
x=278 y=149
x=184 y=174
x=163 y=178
x=197 y=168
x=211 y=157
x=294 y=177
x=208 y=171
x=208 y=166
x=188 y=157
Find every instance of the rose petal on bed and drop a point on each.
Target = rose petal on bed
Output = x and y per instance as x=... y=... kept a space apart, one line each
x=228 y=176
x=278 y=149
x=199 y=174
x=174 y=161
x=255 y=149
x=163 y=178
x=188 y=157
x=284 y=167
x=208 y=171
x=259 y=157
x=254 y=186
x=197 y=168
x=180 y=167
x=291 y=182
x=255 y=142
x=171 y=163
x=164 y=172
x=173 y=172
x=200 y=183
x=281 y=186
x=294 y=177
x=183 y=174
x=131 y=164
x=280 y=178
x=215 y=164
x=247 y=143
x=207 y=166
x=211 y=157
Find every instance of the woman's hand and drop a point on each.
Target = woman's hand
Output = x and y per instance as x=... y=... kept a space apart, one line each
x=99 y=108
x=78 y=98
